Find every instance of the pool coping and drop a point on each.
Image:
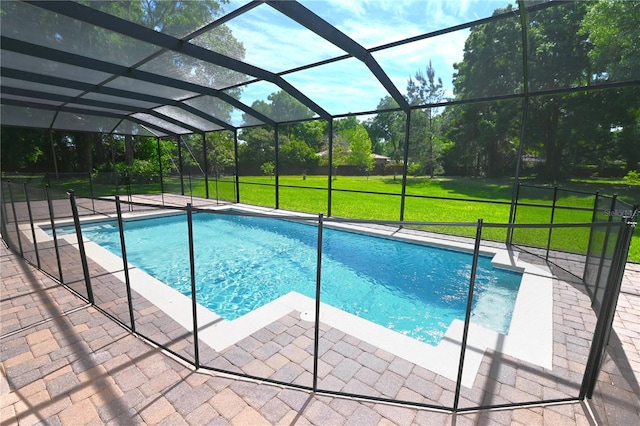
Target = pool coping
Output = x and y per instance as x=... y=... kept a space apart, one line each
x=530 y=336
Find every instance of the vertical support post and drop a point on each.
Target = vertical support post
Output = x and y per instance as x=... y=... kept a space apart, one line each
x=180 y=168
x=33 y=229
x=603 y=254
x=524 y=25
x=316 y=339
x=606 y=314
x=125 y=264
x=217 y=175
x=194 y=304
x=206 y=165
x=53 y=152
x=129 y=195
x=83 y=254
x=513 y=214
x=160 y=168
x=330 y=174
x=277 y=165
x=467 y=318
x=47 y=192
x=93 y=203
x=15 y=219
x=115 y=168
x=4 y=217
x=237 y=165
x=593 y=220
x=553 y=212
x=405 y=160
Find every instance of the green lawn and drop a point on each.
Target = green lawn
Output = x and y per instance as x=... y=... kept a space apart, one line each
x=378 y=198
x=306 y=195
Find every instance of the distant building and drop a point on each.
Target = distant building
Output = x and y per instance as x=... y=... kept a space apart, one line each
x=378 y=160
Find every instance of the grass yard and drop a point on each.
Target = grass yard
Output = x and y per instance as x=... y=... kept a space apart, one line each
x=378 y=197
x=307 y=195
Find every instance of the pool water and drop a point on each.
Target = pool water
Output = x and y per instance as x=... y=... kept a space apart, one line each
x=243 y=263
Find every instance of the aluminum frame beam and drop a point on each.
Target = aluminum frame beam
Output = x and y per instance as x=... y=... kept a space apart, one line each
x=110 y=91
x=139 y=32
x=73 y=110
x=313 y=22
x=42 y=52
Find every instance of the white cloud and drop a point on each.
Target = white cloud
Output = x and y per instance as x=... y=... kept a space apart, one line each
x=447 y=49
x=338 y=7
x=345 y=86
x=464 y=6
x=276 y=43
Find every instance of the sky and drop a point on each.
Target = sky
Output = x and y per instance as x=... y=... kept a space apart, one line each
x=277 y=43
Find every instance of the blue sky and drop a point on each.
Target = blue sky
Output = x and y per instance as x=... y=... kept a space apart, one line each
x=276 y=43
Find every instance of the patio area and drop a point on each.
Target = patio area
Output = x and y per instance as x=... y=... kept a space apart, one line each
x=516 y=128
x=65 y=362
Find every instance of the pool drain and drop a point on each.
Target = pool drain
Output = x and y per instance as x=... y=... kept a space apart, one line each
x=309 y=316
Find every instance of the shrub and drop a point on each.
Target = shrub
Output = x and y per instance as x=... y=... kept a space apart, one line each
x=632 y=178
x=268 y=168
x=414 y=169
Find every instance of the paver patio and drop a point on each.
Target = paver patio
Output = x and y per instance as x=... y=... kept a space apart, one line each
x=65 y=362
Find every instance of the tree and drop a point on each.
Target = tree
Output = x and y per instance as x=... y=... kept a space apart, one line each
x=491 y=66
x=24 y=149
x=351 y=145
x=268 y=168
x=340 y=155
x=387 y=130
x=359 y=148
x=613 y=31
x=559 y=61
x=192 y=154
x=310 y=132
x=177 y=19
x=485 y=133
x=285 y=107
x=281 y=106
x=492 y=60
x=423 y=91
x=220 y=152
x=258 y=145
x=297 y=153
x=341 y=142
x=344 y=124
x=145 y=162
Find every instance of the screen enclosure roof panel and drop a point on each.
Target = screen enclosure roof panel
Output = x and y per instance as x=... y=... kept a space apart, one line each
x=170 y=68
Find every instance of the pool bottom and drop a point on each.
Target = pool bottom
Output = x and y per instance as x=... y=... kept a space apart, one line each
x=529 y=338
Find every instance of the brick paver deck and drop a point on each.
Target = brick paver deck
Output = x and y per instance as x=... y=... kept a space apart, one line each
x=64 y=362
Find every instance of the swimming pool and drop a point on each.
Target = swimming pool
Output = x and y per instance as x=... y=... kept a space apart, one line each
x=243 y=263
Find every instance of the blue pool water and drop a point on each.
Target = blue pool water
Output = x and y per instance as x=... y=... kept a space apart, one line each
x=243 y=263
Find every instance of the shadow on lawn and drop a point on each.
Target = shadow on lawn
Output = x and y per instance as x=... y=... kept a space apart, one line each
x=459 y=187
x=501 y=189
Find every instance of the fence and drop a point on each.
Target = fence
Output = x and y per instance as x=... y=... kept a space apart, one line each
x=126 y=185
x=304 y=342
x=587 y=253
